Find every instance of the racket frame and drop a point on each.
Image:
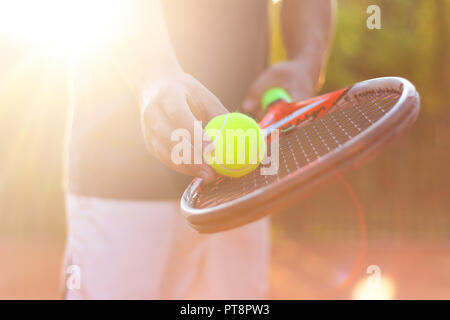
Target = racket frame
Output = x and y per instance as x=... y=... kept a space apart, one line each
x=297 y=185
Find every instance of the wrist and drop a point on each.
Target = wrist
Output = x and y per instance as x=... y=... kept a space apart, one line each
x=310 y=70
x=156 y=73
x=156 y=80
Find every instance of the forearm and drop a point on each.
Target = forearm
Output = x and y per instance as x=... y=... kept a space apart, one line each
x=143 y=50
x=307 y=32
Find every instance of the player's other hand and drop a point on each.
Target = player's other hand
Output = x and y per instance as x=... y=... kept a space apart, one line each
x=294 y=76
x=172 y=102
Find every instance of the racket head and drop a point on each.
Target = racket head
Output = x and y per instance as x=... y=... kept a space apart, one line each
x=357 y=125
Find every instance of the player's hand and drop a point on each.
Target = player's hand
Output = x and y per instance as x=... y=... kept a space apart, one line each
x=172 y=102
x=294 y=76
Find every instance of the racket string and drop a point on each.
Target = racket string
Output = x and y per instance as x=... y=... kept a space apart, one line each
x=322 y=128
x=304 y=144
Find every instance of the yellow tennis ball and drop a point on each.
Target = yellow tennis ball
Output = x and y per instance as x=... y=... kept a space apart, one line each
x=239 y=144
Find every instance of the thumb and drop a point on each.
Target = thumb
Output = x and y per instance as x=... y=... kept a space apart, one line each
x=204 y=104
x=252 y=103
x=252 y=106
x=249 y=105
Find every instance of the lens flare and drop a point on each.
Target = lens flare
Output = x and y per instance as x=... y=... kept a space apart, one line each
x=383 y=289
x=67 y=26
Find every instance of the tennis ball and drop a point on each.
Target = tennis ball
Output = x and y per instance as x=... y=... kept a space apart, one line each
x=239 y=144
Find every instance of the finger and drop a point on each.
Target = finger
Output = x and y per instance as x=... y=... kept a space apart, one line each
x=180 y=115
x=300 y=95
x=177 y=115
x=160 y=143
x=256 y=112
x=166 y=155
x=155 y=127
x=252 y=103
x=204 y=104
x=252 y=108
x=177 y=110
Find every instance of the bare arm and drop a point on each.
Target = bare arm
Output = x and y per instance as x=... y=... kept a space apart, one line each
x=169 y=98
x=307 y=32
x=307 y=27
x=143 y=50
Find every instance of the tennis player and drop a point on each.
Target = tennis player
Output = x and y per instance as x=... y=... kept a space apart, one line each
x=172 y=63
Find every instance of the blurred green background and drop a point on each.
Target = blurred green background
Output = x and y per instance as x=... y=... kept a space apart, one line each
x=407 y=186
x=405 y=192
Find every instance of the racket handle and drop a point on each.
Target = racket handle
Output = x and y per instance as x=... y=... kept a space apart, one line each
x=273 y=95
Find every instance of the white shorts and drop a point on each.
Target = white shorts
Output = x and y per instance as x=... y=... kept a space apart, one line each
x=145 y=250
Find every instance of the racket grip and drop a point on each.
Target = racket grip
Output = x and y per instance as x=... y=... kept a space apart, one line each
x=273 y=95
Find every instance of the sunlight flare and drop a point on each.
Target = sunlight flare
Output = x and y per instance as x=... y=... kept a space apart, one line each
x=68 y=26
x=370 y=290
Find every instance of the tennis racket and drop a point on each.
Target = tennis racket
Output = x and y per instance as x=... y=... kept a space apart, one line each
x=318 y=139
